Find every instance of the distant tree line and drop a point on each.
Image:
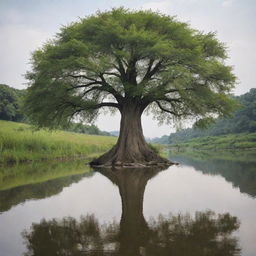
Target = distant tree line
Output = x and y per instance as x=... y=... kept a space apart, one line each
x=11 y=109
x=243 y=120
x=10 y=103
x=88 y=129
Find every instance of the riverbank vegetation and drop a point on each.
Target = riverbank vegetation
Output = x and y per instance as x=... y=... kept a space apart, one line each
x=236 y=132
x=242 y=141
x=21 y=143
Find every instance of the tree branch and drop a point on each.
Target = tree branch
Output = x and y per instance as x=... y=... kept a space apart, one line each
x=83 y=76
x=97 y=106
x=169 y=99
x=151 y=61
x=105 y=86
x=112 y=74
x=120 y=68
x=151 y=71
x=167 y=110
x=107 y=104
x=110 y=89
x=182 y=89
x=97 y=88
x=92 y=106
x=83 y=85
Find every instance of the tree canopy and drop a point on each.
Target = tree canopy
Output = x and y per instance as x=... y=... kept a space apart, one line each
x=129 y=61
x=145 y=56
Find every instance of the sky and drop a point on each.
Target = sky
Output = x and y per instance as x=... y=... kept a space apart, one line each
x=26 y=24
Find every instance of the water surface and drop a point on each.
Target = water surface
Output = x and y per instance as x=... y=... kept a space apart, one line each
x=204 y=206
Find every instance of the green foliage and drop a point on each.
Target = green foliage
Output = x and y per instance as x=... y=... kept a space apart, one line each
x=87 y=129
x=20 y=142
x=243 y=120
x=10 y=103
x=118 y=57
x=204 y=123
x=154 y=147
x=158 y=149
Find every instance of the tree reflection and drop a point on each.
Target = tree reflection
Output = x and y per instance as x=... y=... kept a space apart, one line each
x=205 y=233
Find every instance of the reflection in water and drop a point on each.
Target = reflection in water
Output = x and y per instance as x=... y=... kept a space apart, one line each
x=15 y=196
x=37 y=180
x=204 y=234
x=240 y=171
x=38 y=172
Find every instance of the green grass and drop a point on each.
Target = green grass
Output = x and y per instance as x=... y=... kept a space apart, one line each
x=21 y=143
x=159 y=149
x=243 y=141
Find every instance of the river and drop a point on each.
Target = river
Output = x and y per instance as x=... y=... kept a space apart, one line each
x=206 y=205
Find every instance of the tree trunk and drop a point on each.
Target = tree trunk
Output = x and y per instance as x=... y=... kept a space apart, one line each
x=131 y=149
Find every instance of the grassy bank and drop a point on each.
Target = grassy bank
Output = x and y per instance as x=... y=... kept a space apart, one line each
x=20 y=143
x=224 y=142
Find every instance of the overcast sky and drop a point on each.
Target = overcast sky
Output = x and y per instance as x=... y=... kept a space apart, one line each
x=26 y=24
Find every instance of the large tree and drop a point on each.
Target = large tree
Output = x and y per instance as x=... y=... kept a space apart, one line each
x=130 y=61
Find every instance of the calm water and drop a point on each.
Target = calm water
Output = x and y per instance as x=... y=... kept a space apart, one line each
x=204 y=206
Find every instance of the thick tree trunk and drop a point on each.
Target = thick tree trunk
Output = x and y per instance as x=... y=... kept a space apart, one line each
x=131 y=149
